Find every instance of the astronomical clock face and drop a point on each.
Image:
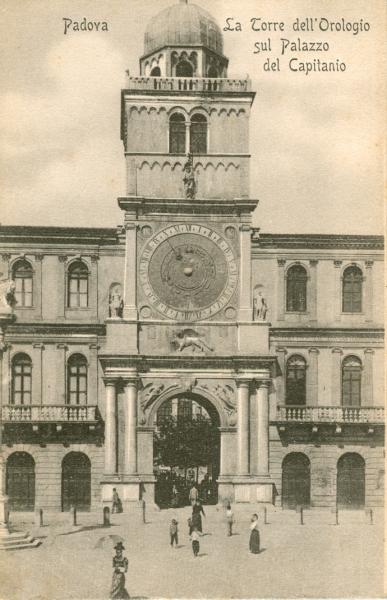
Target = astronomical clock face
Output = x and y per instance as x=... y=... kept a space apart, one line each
x=188 y=272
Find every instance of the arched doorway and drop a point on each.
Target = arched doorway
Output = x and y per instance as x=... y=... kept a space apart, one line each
x=20 y=482
x=186 y=450
x=295 y=480
x=351 y=481
x=76 y=481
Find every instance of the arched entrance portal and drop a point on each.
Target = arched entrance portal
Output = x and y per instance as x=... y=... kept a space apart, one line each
x=295 y=480
x=351 y=481
x=76 y=481
x=20 y=482
x=186 y=450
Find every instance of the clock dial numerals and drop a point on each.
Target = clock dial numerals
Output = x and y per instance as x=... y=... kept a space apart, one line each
x=188 y=272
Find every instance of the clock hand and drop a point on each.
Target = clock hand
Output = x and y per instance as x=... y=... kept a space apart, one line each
x=177 y=254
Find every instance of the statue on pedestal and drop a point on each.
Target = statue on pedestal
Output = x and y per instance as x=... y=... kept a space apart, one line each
x=259 y=307
x=189 y=178
x=116 y=304
x=7 y=294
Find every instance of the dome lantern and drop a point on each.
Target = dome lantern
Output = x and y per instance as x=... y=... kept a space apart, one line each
x=183 y=33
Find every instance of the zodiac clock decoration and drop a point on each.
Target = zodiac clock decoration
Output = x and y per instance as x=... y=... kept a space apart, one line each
x=188 y=272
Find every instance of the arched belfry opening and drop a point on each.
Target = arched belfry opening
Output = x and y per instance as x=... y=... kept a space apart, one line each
x=186 y=450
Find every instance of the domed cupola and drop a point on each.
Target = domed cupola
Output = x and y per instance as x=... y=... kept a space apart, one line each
x=183 y=40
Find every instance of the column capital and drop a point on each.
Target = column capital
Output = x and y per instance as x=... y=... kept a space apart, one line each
x=281 y=349
x=313 y=262
x=62 y=346
x=337 y=351
x=369 y=351
x=337 y=263
x=369 y=264
x=6 y=257
x=243 y=382
x=314 y=350
x=130 y=226
x=39 y=257
x=39 y=345
x=130 y=381
x=109 y=381
x=264 y=383
x=281 y=262
x=62 y=258
x=245 y=228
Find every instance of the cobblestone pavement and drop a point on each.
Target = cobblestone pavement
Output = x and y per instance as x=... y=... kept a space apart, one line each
x=317 y=559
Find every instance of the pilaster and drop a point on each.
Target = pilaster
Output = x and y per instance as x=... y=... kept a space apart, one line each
x=337 y=300
x=367 y=378
x=263 y=428
x=369 y=292
x=61 y=374
x=130 y=283
x=37 y=374
x=281 y=289
x=245 y=292
x=336 y=377
x=243 y=393
x=312 y=377
x=313 y=290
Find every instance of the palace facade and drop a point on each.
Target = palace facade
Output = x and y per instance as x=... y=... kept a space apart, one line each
x=278 y=337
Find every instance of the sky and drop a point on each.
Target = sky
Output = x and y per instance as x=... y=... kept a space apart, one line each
x=316 y=140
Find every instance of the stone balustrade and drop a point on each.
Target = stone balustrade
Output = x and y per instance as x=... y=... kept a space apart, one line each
x=189 y=84
x=48 y=413
x=330 y=414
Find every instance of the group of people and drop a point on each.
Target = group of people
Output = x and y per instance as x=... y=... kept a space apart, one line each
x=195 y=530
x=174 y=491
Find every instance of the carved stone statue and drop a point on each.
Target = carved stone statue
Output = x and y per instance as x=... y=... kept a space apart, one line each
x=189 y=178
x=7 y=293
x=259 y=307
x=116 y=304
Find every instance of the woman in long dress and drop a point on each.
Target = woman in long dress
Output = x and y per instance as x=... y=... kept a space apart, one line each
x=254 y=535
x=120 y=567
x=196 y=520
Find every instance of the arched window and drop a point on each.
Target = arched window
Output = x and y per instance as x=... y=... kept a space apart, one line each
x=78 y=283
x=213 y=72
x=155 y=72
x=184 y=69
x=21 y=379
x=351 y=381
x=164 y=414
x=352 y=289
x=296 y=289
x=177 y=134
x=198 y=134
x=296 y=381
x=22 y=275
x=77 y=379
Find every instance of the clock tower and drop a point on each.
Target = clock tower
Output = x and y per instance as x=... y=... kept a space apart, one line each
x=187 y=327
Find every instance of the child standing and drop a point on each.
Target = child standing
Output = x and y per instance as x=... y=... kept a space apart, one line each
x=195 y=541
x=229 y=519
x=173 y=532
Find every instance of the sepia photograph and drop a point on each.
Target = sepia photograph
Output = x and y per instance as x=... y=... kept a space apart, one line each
x=191 y=299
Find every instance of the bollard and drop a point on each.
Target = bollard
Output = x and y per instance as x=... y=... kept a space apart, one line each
x=143 y=511
x=106 y=516
x=39 y=517
x=265 y=515
x=73 y=517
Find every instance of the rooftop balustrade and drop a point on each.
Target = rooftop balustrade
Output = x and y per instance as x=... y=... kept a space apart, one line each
x=189 y=84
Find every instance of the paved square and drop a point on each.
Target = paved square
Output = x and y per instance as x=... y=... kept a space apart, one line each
x=318 y=559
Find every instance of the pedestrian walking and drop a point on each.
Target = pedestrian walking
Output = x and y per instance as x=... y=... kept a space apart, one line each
x=120 y=567
x=254 y=544
x=197 y=512
x=193 y=495
x=174 y=533
x=117 y=504
x=229 y=519
x=195 y=541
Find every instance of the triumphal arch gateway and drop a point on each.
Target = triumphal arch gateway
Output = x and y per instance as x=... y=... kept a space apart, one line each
x=188 y=324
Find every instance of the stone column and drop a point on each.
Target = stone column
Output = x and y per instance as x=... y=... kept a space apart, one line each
x=312 y=300
x=92 y=387
x=367 y=378
x=312 y=377
x=245 y=302
x=369 y=292
x=110 y=428
x=281 y=289
x=37 y=285
x=37 y=375
x=130 y=285
x=130 y=460
x=281 y=352
x=336 y=377
x=337 y=300
x=187 y=136
x=263 y=428
x=243 y=392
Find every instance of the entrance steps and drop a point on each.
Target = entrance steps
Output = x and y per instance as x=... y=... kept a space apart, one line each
x=17 y=540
